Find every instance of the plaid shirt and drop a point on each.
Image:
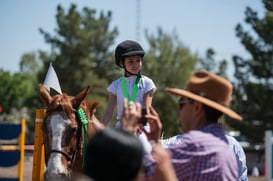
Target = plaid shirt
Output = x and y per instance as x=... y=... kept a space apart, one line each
x=202 y=154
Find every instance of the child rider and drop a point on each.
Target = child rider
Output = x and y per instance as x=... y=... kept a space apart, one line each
x=132 y=85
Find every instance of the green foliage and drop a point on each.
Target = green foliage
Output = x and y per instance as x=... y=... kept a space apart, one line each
x=169 y=63
x=14 y=89
x=253 y=85
x=30 y=64
x=80 y=47
x=82 y=55
x=80 y=51
x=210 y=64
x=19 y=95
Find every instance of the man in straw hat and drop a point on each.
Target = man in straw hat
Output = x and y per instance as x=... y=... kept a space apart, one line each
x=203 y=152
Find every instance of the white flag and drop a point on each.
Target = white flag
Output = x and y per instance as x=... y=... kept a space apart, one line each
x=51 y=80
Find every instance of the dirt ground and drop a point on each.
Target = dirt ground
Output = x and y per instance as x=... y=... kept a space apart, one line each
x=12 y=171
x=261 y=178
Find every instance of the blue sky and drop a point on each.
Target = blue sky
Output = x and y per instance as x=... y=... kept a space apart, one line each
x=200 y=24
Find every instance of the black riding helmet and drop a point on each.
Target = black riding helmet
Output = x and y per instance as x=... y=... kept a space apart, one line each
x=127 y=48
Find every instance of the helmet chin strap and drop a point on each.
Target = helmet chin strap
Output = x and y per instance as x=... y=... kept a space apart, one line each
x=130 y=73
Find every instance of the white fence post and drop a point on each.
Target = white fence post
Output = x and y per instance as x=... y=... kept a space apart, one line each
x=268 y=155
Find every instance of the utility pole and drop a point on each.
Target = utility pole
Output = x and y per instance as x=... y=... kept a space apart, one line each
x=138 y=19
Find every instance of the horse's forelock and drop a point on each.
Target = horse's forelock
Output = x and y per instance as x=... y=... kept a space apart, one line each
x=62 y=102
x=67 y=106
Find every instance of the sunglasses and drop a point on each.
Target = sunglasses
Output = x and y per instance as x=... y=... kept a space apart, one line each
x=181 y=102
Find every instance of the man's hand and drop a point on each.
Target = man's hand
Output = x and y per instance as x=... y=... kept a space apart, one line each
x=164 y=168
x=155 y=125
x=131 y=115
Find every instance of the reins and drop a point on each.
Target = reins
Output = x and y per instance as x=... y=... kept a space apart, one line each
x=72 y=159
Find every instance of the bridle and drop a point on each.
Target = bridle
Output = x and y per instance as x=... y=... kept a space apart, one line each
x=72 y=158
x=68 y=157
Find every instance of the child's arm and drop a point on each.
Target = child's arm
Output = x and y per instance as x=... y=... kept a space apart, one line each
x=147 y=99
x=110 y=109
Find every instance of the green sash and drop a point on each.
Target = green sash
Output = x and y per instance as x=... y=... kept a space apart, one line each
x=134 y=91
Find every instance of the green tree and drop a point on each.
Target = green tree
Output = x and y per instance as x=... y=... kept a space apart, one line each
x=80 y=51
x=29 y=64
x=81 y=56
x=169 y=63
x=80 y=48
x=19 y=95
x=210 y=64
x=14 y=89
x=254 y=85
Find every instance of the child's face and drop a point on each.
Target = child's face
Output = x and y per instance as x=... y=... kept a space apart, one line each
x=133 y=64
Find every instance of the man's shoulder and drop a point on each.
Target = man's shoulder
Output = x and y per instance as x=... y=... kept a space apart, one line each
x=198 y=134
x=231 y=139
x=234 y=143
x=203 y=138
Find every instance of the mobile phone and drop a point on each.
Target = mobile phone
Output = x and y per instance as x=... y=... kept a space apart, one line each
x=143 y=120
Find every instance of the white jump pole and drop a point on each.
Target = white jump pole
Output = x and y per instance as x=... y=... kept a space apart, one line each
x=268 y=155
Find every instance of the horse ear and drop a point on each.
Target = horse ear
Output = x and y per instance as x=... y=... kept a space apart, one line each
x=45 y=95
x=92 y=105
x=76 y=101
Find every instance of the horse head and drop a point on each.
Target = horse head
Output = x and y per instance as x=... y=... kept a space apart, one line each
x=63 y=132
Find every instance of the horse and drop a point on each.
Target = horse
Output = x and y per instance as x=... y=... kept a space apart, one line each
x=63 y=132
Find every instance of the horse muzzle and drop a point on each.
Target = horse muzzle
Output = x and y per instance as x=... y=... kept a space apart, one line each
x=57 y=176
x=56 y=169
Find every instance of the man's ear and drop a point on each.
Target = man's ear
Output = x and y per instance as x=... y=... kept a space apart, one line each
x=198 y=107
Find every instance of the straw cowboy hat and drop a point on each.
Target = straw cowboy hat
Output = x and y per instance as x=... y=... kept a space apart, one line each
x=209 y=89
